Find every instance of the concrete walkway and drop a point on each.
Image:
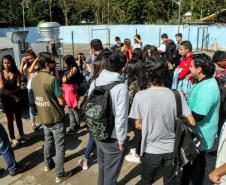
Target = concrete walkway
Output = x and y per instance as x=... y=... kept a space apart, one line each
x=31 y=154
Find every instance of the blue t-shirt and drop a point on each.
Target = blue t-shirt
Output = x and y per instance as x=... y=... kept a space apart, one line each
x=205 y=100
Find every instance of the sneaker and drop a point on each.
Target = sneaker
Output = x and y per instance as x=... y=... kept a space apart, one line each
x=35 y=128
x=19 y=169
x=133 y=158
x=71 y=132
x=49 y=167
x=83 y=163
x=132 y=151
x=2 y=170
x=24 y=138
x=64 y=177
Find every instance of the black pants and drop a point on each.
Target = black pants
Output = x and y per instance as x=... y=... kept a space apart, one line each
x=197 y=172
x=10 y=113
x=137 y=136
x=150 y=165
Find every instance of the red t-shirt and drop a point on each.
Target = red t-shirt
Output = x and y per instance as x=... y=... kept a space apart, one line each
x=185 y=65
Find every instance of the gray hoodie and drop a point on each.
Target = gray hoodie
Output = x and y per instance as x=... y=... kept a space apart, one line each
x=120 y=103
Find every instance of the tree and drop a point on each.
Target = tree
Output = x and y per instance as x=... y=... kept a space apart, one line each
x=105 y=11
x=11 y=11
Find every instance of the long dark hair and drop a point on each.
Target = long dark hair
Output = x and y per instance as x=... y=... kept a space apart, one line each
x=153 y=49
x=13 y=67
x=156 y=71
x=70 y=61
x=135 y=72
x=137 y=54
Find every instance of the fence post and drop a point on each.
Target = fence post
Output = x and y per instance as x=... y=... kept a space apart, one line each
x=160 y=36
x=72 y=40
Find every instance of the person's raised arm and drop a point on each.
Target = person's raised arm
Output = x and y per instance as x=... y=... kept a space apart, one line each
x=34 y=66
x=71 y=73
x=24 y=60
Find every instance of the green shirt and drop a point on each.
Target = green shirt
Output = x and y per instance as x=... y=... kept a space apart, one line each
x=56 y=88
x=205 y=100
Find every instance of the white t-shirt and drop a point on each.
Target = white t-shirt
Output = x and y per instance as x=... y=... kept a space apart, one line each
x=32 y=75
x=162 y=48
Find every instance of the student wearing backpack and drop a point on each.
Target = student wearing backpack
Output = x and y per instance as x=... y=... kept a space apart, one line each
x=155 y=112
x=98 y=66
x=168 y=49
x=162 y=47
x=109 y=151
x=204 y=102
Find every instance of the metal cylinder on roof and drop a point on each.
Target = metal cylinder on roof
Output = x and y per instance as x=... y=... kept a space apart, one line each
x=49 y=31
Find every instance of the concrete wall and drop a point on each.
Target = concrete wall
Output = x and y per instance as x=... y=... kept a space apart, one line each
x=7 y=51
x=202 y=36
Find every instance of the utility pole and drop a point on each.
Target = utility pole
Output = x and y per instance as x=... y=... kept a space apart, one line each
x=22 y=4
x=201 y=9
x=108 y=11
x=179 y=12
x=50 y=10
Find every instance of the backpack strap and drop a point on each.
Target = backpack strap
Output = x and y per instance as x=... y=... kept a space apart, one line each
x=110 y=86
x=178 y=102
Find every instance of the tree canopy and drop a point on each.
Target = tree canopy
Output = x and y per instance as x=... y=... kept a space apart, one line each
x=73 y=12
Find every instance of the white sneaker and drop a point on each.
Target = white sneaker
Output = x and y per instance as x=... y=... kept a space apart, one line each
x=132 y=158
x=132 y=151
x=83 y=164
x=64 y=177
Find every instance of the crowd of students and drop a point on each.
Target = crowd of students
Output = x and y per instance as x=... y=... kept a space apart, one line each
x=142 y=100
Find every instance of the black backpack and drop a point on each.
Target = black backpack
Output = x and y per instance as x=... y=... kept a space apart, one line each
x=222 y=115
x=171 y=51
x=187 y=139
x=98 y=112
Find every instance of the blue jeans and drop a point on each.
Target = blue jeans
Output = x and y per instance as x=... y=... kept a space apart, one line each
x=55 y=134
x=32 y=109
x=6 y=151
x=89 y=147
x=73 y=118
